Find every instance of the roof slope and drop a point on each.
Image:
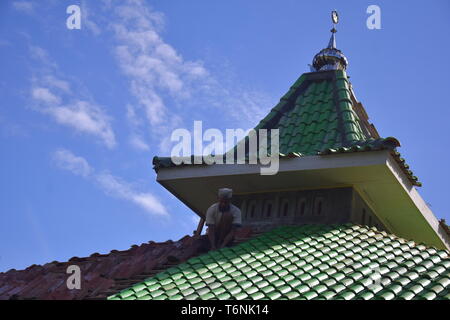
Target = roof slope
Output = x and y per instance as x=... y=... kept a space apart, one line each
x=307 y=262
x=102 y=274
x=319 y=115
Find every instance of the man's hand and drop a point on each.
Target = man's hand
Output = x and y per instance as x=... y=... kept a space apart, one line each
x=228 y=237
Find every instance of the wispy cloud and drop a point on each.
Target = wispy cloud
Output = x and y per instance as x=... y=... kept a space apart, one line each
x=138 y=143
x=41 y=56
x=86 y=20
x=45 y=96
x=23 y=6
x=136 y=139
x=169 y=89
x=53 y=96
x=68 y=161
x=116 y=187
x=152 y=66
x=110 y=184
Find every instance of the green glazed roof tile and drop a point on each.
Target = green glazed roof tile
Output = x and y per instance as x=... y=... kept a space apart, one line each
x=252 y=289
x=302 y=288
x=224 y=296
x=445 y=296
x=241 y=296
x=365 y=295
x=274 y=295
x=291 y=295
x=192 y=296
x=267 y=289
x=300 y=269
x=310 y=295
x=126 y=293
x=386 y=295
x=327 y=295
x=337 y=287
x=320 y=288
x=257 y=296
x=348 y=295
x=172 y=292
x=156 y=293
x=427 y=295
x=436 y=288
x=406 y=295
x=278 y=283
x=235 y=290
x=217 y=289
x=445 y=282
x=329 y=282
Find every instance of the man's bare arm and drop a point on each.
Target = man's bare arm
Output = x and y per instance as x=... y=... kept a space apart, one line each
x=228 y=237
x=212 y=236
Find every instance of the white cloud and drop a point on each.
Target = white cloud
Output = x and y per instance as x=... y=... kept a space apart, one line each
x=23 y=6
x=42 y=56
x=114 y=186
x=53 y=96
x=53 y=82
x=85 y=117
x=157 y=72
x=152 y=66
x=44 y=95
x=149 y=202
x=108 y=183
x=86 y=20
x=68 y=161
x=136 y=139
x=132 y=116
x=138 y=143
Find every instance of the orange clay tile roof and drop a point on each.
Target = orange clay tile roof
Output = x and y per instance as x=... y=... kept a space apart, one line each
x=102 y=274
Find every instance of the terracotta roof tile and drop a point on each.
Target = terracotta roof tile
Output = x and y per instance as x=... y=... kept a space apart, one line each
x=102 y=274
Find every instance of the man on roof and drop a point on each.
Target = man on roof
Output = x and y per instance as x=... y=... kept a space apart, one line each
x=222 y=219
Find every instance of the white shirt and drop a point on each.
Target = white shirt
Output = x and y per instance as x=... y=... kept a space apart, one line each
x=213 y=215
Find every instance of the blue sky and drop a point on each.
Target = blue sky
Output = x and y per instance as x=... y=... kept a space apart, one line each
x=84 y=111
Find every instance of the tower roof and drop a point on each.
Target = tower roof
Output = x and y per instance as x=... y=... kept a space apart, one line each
x=320 y=115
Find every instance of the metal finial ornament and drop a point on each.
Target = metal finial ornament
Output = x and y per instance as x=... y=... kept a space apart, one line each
x=335 y=20
x=334 y=17
x=330 y=58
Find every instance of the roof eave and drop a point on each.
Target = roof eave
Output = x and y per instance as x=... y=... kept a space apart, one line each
x=375 y=174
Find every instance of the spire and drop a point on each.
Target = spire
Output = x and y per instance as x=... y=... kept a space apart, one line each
x=335 y=20
x=332 y=42
x=330 y=58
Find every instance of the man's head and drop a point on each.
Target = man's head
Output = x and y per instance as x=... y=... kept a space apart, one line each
x=224 y=197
